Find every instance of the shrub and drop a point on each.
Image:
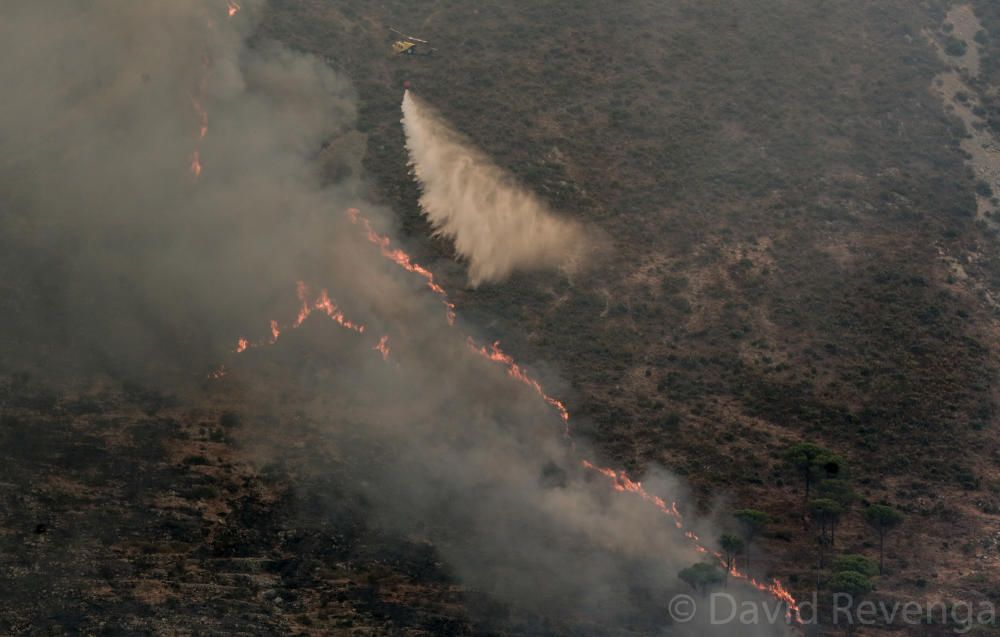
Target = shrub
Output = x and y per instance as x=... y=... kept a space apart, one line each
x=701 y=577
x=955 y=47
x=855 y=564
x=672 y=421
x=854 y=584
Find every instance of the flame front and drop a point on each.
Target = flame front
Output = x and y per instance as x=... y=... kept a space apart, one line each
x=620 y=482
x=322 y=304
x=494 y=353
x=623 y=484
x=403 y=260
x=197 y=102
x=196 y=164
x=325 y=305
x=199 y=109
x=382 y=347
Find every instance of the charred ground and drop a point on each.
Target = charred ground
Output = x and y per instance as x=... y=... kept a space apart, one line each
x=126 y=512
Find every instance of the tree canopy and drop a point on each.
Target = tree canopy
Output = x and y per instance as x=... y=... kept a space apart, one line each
x=814 y=463
x=731 y=546
x=882 y=518
x=701 y=576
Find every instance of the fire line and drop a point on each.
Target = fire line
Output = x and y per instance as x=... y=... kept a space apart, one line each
x=620 y=481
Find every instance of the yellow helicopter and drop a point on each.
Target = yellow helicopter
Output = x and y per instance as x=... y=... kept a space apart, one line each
x=409 y=45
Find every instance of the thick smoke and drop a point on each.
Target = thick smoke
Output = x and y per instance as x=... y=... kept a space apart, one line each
x=114 y=252
x=117 y=259
x=495 y=223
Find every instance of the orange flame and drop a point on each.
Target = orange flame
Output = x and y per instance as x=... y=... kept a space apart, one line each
x=622 y=483
x=325 y=305
x=383 y=347
x=322 y=304
x=199 y=109
x=196 y=164
x=305 y=309
x=494 y=353
x=403 y=260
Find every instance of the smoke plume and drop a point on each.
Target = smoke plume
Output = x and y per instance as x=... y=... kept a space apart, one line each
x=496 y=224
x=118 y=251
x=161 y=194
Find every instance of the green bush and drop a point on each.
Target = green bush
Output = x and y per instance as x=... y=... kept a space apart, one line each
x=851 y=583
x=701 y=577
x=855 y=564
x=955 y=47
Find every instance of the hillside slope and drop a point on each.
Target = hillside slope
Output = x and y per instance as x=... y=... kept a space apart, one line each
x=797 y=200
x=796 y=255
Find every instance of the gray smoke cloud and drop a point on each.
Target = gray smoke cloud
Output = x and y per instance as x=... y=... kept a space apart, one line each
x=117 y=249
x=496 y=224
x=117 y=258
